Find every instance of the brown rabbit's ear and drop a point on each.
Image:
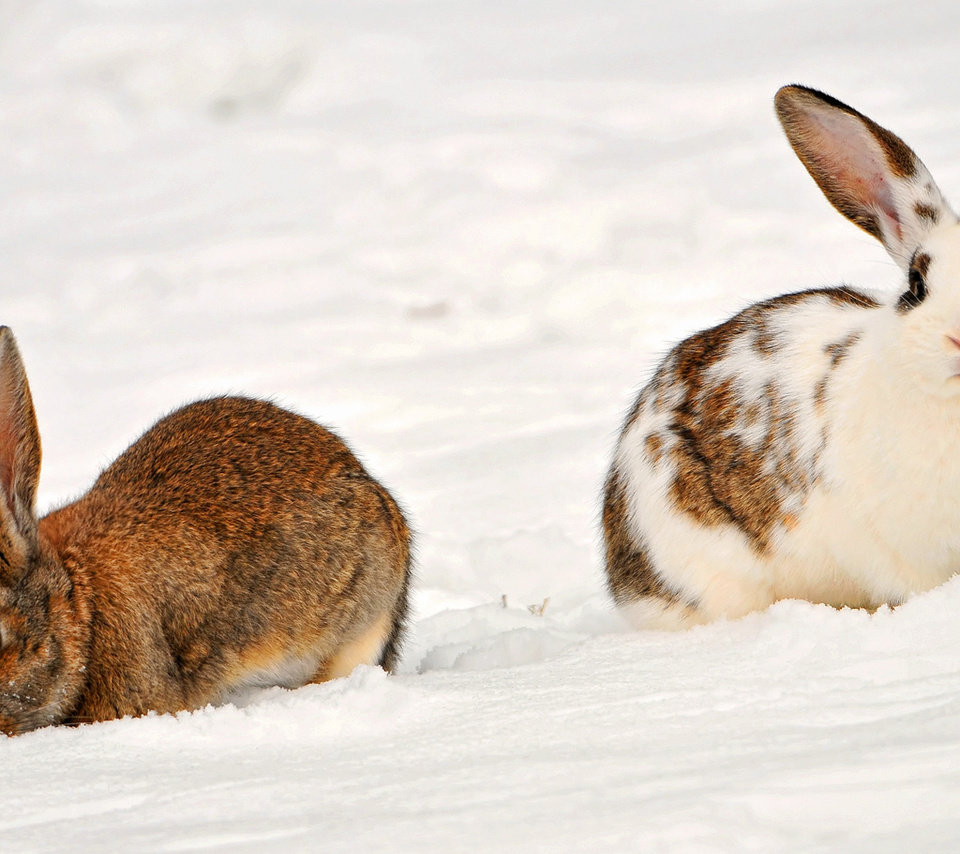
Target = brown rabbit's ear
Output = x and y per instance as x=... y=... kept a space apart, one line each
x=867 y=173
x=19 y=456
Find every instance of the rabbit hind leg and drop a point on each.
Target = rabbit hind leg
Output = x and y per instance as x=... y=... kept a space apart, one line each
x=364 y=648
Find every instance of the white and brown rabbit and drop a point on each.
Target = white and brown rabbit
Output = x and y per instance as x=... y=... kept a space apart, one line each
x=234 y=545
x=809 y=447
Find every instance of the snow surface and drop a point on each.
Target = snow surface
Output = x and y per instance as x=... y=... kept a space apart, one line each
x=462 y=234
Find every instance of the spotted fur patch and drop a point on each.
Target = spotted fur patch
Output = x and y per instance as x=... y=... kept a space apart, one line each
x=838 y=350
x=927 y=212
x=721 y=477
x=630 y=571
x=820 y=393
x=654 y=447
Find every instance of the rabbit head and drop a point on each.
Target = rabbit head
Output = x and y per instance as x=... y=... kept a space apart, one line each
x=37 y=640
x=875 y=180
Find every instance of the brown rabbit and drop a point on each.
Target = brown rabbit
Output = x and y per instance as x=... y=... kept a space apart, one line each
x=234 y=545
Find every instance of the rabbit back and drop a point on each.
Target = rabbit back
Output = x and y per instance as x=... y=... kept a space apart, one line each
x=234 y=545
x=719 y=455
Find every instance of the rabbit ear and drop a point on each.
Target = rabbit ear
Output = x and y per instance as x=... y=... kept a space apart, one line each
x=19 y=453
x=867 y=173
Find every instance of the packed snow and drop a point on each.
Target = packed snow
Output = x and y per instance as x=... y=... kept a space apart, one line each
x=461 y=234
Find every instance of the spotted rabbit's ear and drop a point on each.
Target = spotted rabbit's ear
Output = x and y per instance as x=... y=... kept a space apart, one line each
x=19 y=459
x=867 y=173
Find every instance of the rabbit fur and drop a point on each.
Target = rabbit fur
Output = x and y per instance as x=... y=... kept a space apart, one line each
x=234 y=545
x=808 y=446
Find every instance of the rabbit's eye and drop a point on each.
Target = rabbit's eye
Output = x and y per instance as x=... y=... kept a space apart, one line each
x=918 y=287
x=916 y=282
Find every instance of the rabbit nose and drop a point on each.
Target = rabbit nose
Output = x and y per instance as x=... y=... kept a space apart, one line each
x=954 y=340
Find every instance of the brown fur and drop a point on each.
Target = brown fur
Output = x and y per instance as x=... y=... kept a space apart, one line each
x=844 y=295
x=839 y=349
x=232 y=537
x=921 y=263
x=720 y=479
x=820 y=393
x=654 y=448
x=926 y=212
x=765 y=341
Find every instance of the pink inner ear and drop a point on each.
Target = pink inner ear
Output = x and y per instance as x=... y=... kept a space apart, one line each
x=856 y=164
x=871 y=191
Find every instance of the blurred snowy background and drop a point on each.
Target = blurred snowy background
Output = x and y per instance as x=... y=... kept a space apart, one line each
x=461 y=234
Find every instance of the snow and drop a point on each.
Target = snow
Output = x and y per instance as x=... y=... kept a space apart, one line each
x=462 y=234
